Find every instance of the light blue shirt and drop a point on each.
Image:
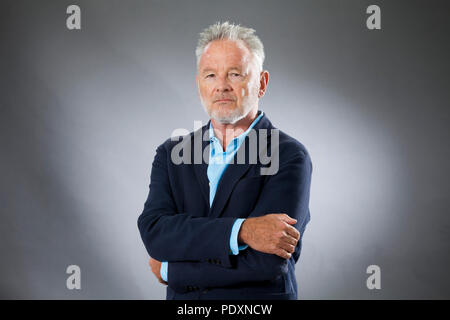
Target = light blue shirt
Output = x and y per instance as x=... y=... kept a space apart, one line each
x=218 y=162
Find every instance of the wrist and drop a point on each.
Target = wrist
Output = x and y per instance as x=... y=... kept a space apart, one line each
x=242 y=235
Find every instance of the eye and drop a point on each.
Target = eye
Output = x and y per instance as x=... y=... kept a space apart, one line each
x=234 y=74
x=211 y=75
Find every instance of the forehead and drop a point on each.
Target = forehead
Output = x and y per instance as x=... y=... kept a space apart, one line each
x=225 y=52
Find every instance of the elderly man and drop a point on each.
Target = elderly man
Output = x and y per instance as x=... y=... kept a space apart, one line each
x=224 y=228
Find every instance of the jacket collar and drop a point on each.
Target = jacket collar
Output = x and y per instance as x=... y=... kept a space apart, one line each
x=234 y=170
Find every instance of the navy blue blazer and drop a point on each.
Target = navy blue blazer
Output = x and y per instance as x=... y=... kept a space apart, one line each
x=179 y=226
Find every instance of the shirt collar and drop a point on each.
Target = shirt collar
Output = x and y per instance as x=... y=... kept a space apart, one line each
x=242 y=135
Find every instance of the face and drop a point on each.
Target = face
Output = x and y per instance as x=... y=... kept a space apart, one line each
x=228 y=80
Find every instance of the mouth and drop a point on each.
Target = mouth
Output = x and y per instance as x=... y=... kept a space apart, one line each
x=223 y=100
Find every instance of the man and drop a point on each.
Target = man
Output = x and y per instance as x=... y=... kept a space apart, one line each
x=224 y=228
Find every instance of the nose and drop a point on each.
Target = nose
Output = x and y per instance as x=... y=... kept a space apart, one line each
x=223 y=85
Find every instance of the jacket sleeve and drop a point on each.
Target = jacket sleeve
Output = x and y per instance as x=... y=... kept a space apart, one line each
x=286 y=192
x=172 y=236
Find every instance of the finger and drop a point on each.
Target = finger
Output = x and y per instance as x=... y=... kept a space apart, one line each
x=290 y=230
x=288 y=219
x=283 y=254
x=289 y=239
x=287 y=247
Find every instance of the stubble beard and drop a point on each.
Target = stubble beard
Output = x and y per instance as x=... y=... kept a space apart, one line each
x=232 y=117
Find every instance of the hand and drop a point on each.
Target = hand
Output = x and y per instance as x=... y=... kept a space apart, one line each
x=272 y=233
x=156 y=269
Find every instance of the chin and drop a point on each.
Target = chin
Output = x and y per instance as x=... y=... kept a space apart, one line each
x=230 y=120
x=225 y=114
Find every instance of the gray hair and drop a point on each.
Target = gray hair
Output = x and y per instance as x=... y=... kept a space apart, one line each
x=229 y=31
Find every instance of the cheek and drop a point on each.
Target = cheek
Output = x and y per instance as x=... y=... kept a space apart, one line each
x=204 y=91
x=253 y=88
x=247 y=90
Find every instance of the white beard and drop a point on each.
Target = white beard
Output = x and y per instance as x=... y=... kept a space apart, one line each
x=233 y=117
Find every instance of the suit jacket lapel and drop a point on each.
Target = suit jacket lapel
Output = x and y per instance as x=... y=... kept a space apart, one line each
x=201 y=168
x=235 y=171
x=230 y=177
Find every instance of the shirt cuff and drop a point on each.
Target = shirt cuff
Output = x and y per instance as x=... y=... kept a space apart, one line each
x=163 y=270
x=234 y=247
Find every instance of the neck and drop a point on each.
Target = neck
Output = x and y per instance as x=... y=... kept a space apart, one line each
x=226 y=132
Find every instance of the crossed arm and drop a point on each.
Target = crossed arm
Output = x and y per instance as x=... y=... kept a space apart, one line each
x=271 y=238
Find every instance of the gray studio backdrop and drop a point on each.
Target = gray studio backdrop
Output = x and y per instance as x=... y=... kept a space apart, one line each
x=82 y=112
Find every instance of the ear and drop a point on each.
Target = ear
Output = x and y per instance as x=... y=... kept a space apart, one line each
x=263 y=82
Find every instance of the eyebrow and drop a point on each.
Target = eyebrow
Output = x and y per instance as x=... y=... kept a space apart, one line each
x=212 y=70
x=207 y=70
